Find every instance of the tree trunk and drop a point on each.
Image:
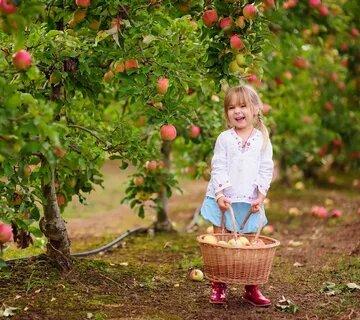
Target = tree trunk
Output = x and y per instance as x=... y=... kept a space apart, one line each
x=53 y=226
x=162 y=220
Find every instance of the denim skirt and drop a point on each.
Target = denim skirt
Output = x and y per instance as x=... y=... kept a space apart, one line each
x=210 y=211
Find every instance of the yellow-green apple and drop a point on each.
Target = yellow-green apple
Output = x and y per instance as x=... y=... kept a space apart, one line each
x=22 y=60
x=168 y=132
x=210 y=17
x=196 y=275
x=235 y=243
x=162 y=85
x=210 y=229
x=244 y=241
x=209 y=239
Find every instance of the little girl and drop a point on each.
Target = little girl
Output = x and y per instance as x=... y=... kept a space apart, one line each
x=242 y=169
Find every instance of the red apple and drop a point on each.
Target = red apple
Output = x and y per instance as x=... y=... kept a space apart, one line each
x=151 y=165
x=268 y=230
x=225 y=23
x=345 y=62
x=22 y=60
x=289 y=4
x=323 y=10
x=301 y=63
x=344 y=47
x=7 y=7
x=354 y=32
x=336 y=213
x=119 y=67
x=131 y=64
x=59 y=152
x=314 y=3
x=268 y=4
x=194 y=131
x=249 y=11
x=210 y=17
x=108 y=76
x=82 y=3
x=5 y=233
x=162 y=85
x=138 y=181
x=240 y=22
x=236 y=42
x=288 y=75
x=328 y=106
x=337 y=143
x=319 y=212
x=61 y=200
x=266 y=108
x=168 y=132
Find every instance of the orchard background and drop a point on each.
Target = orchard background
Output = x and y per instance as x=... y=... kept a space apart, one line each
x=103 y=102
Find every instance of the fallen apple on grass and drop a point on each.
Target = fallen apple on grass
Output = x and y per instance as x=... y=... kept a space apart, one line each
x=196 y=275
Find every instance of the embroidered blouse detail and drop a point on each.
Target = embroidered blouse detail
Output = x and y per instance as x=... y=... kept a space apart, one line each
x=241 y=168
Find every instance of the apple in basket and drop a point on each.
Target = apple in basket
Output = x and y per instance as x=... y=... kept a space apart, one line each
x=258 y=243
x=196 y=275
x=210 y=229
x=245 y=241
x=209 y=239
x=223 y=243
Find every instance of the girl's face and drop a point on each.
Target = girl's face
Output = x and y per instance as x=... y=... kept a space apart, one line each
x=239 y=115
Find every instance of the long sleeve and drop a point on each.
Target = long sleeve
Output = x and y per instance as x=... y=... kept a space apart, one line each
x=219 y=171
x=266 y=169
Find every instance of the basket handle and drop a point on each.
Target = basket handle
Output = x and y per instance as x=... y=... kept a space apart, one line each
x=260 y=226
x=233 y=221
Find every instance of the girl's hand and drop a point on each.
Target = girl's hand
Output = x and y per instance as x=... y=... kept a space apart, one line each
x=223 y=203
x=255 y=206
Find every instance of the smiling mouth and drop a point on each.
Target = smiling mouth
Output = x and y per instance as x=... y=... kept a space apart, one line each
x=240 y=118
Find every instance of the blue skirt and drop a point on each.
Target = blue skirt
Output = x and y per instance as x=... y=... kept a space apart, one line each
x=210 y=211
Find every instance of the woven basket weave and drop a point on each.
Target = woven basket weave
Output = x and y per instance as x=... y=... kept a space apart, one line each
x=244 y=265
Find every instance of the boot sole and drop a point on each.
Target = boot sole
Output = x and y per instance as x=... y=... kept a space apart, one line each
x=257 y=305
x=217 y=302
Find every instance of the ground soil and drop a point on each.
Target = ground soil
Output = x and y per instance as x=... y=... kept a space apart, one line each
x=146 y=277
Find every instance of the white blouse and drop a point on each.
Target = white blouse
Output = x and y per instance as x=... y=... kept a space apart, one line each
x=239 y=170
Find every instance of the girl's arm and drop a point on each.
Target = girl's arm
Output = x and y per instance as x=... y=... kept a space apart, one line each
x=219 y=174
x=265 y=175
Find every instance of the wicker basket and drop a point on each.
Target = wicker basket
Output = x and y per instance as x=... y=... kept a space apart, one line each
x=244 y=265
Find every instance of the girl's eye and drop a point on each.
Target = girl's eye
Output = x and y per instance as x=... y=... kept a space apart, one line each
x=243 y=106
x=231 y=107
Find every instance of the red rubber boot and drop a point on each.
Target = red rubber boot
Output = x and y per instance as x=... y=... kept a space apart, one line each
x=254 y=296
x=218 y=293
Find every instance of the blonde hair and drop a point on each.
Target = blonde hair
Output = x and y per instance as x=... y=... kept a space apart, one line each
x=252 y=100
